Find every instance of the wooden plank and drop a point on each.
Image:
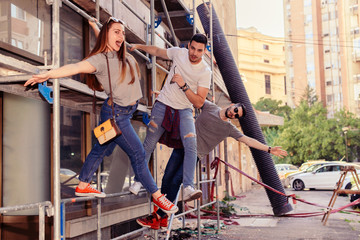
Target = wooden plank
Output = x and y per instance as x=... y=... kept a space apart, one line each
x=348 y=191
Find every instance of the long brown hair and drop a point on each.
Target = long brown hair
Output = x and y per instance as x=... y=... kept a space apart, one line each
x=123 y=56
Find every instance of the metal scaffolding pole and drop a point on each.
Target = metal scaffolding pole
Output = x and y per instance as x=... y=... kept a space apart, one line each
x=213 y=99
x=56 y=117
x=194 y=23
x=98 y=205
x=153 y=81
x=169 y=22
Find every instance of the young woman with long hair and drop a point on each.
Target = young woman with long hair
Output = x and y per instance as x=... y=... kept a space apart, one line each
x=126 y=91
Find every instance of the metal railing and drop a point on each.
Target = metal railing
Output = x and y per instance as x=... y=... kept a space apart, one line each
x=43 y=207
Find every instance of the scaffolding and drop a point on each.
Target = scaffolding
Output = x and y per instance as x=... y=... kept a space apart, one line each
x=57 y=209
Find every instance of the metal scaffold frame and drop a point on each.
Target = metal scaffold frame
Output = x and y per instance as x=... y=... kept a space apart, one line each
x=57 y=209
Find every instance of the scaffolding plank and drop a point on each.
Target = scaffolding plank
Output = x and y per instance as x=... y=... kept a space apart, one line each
x=15 y=64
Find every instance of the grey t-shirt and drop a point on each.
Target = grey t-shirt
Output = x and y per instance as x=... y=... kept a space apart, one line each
x=211 y=129
x=123 y=92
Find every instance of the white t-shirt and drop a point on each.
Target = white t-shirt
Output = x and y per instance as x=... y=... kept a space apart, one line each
x=195 y=76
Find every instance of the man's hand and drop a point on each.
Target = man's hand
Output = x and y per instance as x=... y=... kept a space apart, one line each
x=277 y=151
x=177 y=78
x=133 y=47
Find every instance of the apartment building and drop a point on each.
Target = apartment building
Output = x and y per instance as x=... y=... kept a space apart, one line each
x=27 y=175
x=261 y=62
x=321 y=39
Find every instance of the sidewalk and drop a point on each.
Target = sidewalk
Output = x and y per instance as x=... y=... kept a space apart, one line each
x=339 y=225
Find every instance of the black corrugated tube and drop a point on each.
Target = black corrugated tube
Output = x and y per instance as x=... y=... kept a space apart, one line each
x=249 y=124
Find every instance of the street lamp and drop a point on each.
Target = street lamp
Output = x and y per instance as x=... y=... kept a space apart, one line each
x=345 y=130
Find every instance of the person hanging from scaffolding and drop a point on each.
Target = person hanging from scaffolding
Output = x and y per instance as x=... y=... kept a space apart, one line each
x=125 y=82
x=213 y=125
x=187 y=85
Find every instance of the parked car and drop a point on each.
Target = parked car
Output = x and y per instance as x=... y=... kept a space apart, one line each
x=304 y=166
x=282 y=169
x=322 y=177
x=310 y=168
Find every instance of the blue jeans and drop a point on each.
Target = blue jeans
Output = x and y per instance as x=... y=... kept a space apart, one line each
x=172 y=178
x=187 y=134
x=129 y=141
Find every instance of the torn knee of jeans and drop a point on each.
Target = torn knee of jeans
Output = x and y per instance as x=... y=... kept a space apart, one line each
x=152 y=124
x=189 y=135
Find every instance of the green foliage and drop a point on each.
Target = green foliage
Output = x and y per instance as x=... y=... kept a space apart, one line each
x=309 y=134
x=309 y=96
x=225 y=206
x=272 y=106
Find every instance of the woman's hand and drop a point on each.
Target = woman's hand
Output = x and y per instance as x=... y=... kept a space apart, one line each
x=94 y=26
x=39 y=78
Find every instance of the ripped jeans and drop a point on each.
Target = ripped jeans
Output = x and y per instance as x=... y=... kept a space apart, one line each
x=187 y=133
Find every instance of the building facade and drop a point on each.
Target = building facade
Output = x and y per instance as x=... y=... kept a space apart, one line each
x=261 y=62
x=321 y=38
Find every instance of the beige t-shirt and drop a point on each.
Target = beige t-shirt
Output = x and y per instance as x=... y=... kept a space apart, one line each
x=123 y=92
x=194 y=75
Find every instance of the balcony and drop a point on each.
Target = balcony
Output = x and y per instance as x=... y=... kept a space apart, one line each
x=354 y=9
x=356 y=78
x=356 y=55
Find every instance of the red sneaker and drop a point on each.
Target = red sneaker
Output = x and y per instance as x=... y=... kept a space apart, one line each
x=150 y=221
x=89 y=191
x=164 y=222
x=165 y=204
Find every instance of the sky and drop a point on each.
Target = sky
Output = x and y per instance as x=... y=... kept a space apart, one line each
x=266 y=16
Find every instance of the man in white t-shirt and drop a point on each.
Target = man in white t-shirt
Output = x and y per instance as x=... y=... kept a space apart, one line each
x=187 y=85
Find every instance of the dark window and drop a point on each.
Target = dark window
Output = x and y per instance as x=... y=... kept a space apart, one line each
x=267 y=84
x=285 y=85
x=265 y=47
x=71 y=38
x=266 y=61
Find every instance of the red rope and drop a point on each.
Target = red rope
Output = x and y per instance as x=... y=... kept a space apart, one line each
x=215 y=164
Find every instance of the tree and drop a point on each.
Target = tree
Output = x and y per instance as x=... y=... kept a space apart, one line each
x=308 y=134
x=310 y=96
x=272 y=106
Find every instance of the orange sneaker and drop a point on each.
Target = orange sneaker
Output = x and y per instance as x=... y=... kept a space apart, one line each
x=165 y=204
x=89 y=191
x=150 y=221
x=164 y=222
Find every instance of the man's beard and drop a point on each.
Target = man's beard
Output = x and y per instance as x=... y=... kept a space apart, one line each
x=194 y=61
x=226 y=113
